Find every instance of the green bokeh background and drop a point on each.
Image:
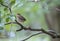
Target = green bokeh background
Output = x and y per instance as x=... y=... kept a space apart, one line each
x=34 y=14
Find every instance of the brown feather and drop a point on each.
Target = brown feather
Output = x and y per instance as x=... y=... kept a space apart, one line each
x=20 y=17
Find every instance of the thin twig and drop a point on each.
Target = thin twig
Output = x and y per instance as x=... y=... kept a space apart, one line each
x=53 y=35
x=32 y=36
x=19 y=25
x=4 y=5
x=10 y=10
x=10 y=23
x=49 y=33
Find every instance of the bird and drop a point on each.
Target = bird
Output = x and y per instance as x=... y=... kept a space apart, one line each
x=20 y=18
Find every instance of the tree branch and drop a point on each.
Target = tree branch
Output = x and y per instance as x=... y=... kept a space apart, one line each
x=6 y=7
x=10 y=23
x=3 y=5
x=32 y=36
x=49 y=32
x=54 y=36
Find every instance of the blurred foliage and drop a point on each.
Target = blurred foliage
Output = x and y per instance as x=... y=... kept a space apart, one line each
x=32 y=11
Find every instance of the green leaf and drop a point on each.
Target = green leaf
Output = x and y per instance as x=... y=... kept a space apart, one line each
x=1 y=1
x=7 y=19
x=5 y=9
x=12 y=2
